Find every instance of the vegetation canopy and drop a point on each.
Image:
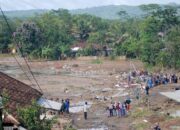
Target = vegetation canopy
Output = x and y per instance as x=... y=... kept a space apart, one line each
x=153 y=38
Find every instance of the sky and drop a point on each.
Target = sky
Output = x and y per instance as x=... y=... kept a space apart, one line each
x=72 y=4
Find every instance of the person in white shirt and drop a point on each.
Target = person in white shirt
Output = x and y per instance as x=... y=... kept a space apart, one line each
x=85 y=110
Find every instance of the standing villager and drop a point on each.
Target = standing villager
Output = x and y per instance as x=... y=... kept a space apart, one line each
x=157 y=127
x=123 y=110
x=111 y=109
x=114 y=110
x=129 y=79
x=108 y=111
x=62 y=109
x=150 y=82
x=175 y=79
x=85 y=110
x=147 y=90
x=119 y=109
x=67 y=105
x=128 y=102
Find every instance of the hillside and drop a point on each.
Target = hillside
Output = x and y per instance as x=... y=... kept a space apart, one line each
x=110 y=12
x=24 y=13
x=106 y=12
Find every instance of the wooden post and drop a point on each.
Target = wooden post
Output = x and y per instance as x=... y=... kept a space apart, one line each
x=1 y=120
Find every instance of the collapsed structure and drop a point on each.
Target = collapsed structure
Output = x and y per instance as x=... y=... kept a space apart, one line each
x=18 y=95
x=175 y=95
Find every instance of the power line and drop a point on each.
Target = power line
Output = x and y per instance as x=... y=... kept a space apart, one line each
x=35 y=7
x=22 y=54
x=32 y=74
x=11 y=53
x=22 y=69
x=20 y=50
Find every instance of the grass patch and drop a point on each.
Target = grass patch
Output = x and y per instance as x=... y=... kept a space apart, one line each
x=140 y=126
x=5 y=55
x=141 y=112
x=112 y=57
x=96 y=61
x=69 y=127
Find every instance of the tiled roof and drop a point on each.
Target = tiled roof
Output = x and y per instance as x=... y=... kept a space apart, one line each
x=19 y=94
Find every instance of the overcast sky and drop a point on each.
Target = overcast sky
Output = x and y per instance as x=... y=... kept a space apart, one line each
x=72 y=4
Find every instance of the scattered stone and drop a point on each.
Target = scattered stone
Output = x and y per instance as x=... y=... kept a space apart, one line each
x=75 y=65
x=66 y=90
x=106 y=89
x=177 y=88
x=145 y=121
x=156 y=109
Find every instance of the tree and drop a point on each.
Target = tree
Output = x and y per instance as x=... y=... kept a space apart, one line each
x=150 y=8
x=5 y=35
x=28 y=37
x=30 y=118
x=155 y=27
x=173 y=46
x=123 y=15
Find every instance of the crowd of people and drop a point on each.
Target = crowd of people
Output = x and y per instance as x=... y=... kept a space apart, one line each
x=65 y=104
x=151 y=80
x=155 y=78
x=159 y=79
x=119 y=109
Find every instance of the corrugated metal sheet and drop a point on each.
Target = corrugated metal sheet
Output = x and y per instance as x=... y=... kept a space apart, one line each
x=49 y=104
x=172 y=95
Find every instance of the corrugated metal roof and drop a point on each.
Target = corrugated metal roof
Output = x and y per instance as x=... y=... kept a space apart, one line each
x=49 y=104
x=172 y=95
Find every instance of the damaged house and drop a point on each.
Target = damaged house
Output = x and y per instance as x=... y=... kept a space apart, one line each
x=19 y=96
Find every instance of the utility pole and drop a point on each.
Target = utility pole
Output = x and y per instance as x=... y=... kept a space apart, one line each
x=1 y=113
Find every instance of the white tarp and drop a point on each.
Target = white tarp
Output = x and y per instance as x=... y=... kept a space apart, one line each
x=172 y=95
x=49 y=104
x=75 y=49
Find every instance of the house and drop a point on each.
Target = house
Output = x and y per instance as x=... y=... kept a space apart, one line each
x=97 y=49
x=19 y=94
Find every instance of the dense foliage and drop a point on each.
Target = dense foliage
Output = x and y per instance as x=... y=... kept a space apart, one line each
x=153 y=38
x=30 y=118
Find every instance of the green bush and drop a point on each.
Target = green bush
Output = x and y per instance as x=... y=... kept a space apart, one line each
x=96 y=61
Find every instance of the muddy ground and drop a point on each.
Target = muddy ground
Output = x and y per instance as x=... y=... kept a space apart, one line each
x=93 y=79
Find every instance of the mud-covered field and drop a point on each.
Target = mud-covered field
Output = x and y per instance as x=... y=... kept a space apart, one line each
x=94 y=80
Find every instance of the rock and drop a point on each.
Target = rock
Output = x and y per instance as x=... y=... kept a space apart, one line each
x=117 y=85
x=75 y=65
x=145 y=121
x=106 y=89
